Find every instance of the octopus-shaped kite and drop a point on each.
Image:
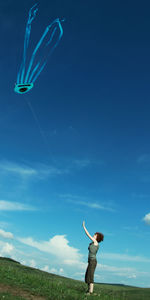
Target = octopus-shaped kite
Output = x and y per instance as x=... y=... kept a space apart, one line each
x=28 y=74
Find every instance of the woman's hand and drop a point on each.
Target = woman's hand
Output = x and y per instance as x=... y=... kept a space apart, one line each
x=87 y=233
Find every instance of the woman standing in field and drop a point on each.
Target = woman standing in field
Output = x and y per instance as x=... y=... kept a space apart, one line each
x=92 y=262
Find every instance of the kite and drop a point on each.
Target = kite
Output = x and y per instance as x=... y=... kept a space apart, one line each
x=29 y=71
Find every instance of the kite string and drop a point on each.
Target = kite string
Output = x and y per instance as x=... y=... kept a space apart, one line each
x=37 y=122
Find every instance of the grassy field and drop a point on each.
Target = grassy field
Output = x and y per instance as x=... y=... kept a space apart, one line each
x=18 y=282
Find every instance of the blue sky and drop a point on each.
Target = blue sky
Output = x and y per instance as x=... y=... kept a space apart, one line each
x=88 y=155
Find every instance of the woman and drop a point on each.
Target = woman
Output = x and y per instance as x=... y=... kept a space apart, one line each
x=92 y=262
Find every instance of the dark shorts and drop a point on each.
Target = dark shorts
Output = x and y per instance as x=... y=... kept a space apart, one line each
x=89 y=275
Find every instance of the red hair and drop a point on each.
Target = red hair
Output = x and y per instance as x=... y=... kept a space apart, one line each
x=99 y=237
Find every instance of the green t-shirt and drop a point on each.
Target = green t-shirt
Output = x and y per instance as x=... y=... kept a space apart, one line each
x=92 y=250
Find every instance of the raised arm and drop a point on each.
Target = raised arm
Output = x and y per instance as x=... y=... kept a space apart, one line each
x=87 y=233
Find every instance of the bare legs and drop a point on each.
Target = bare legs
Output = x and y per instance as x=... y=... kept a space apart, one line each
x=90 y=288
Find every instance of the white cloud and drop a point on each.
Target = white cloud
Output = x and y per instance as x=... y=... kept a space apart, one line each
x=57 y=246
x=124 y=257
x=141 y=196
x=7 y=249
x=115 y=269
x=10 y=167
x=46 y=171
x=77 y=200
x=146 y=219
x=124 y=272
x=81 y=163
x=14 y=206
x=32 y=263
x=40 y=171
x=23 y=262
x=130 y=228
x=46 y=269
x=95 y=205
x=53 y=270
x=132 y=276
x=6 y=235
x=4 y=224
x=61 y=271
x=144 y=158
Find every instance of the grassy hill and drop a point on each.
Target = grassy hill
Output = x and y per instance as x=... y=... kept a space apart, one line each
x=18 y=282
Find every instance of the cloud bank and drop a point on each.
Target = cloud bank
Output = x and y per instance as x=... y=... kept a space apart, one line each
x=57 y=246
x=6 y=235
x=15 y=206
x=146 y=219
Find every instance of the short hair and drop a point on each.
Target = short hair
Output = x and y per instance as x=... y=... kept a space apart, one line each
x=99 y=237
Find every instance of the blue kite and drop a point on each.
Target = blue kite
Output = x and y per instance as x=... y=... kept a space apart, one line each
x=28 y=73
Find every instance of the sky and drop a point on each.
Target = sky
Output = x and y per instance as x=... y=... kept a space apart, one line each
x=76 y=147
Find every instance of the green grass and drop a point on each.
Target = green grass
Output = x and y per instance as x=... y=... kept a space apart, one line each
x=20 y=282
x=8 y=296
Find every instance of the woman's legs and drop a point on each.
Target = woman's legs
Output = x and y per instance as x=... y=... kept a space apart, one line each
x=91 y=288
x=89 y=275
